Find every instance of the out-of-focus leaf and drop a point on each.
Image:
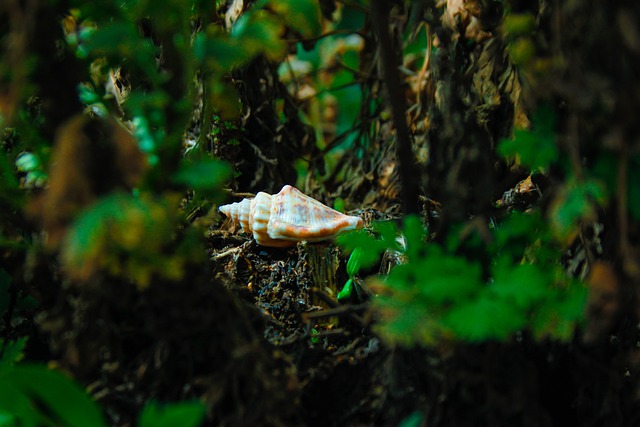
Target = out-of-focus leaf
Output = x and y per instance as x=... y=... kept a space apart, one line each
x=523 y=284
x=27 y=162
x=61 y=396
x=304 y=16
x=536 y=148
x=204 y=175
x=533 y=150
x=575 y=203
x=225 y=98
x=121 y=40
x=443 y=278
x=15 y=408
x=351 y=18
x=186 y=414
x=414 y=234
x=12 y=352
x=139 y=101
x=126 y=236
x=260 y=33
x=219 y=51
x=407 y=320
x=485 y=318
x=516 y=24
x=414 y=420
x=558 y=316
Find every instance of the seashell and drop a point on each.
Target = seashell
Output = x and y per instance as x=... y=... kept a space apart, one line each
x=282 y=219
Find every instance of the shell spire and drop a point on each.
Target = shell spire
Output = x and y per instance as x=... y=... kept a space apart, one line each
x=290 y=216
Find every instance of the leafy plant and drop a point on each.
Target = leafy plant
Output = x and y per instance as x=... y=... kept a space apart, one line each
x=439 y=294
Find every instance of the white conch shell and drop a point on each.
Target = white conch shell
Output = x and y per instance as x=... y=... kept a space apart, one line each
x=288 y=217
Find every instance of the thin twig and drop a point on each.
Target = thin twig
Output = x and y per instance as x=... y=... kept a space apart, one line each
x=380 y=11
x=227 y=253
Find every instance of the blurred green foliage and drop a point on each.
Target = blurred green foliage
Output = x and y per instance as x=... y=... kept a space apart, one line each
x=440 y=294
x=536 y=148
x=187 y=414
x=34 y=395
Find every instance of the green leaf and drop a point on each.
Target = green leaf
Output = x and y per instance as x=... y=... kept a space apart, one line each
x=535 y=149
x=259 y=33
x=346 y=291
x=443 y=278
x=206 y=175
x=524 y=285
x=219 y=51
x=12 y=352
x=485 y=318
x=15 y=408
x=126 y=236
x=576 y=202
x=518 y=226
x=414 y=234
x=370 y=247
x=407 y=320
x=304 y=16
x=61 y=396
x=558 y=317
x=416 y=419
x=516 y=24
x=185 y=414
x=353 y=264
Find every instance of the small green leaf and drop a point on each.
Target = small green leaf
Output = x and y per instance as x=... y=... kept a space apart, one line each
x=186 y=414
x=353 y=264
x=346 y=291
x=371 y=247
